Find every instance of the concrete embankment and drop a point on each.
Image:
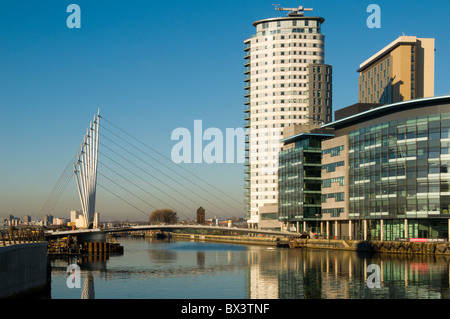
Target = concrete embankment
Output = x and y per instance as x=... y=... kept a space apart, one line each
x=374 y=246
x=424 y=248
x=23 y=269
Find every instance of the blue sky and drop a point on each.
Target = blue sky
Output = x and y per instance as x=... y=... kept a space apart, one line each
x=154 y=66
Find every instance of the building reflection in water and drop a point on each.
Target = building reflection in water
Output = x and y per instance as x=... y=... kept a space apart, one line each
x=279 y=273
x=88 y=291
x=329 y=274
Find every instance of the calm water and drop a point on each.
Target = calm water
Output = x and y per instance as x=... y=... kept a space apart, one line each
x=154 y=269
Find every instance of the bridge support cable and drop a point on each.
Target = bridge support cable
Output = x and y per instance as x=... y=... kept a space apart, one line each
x=142 y=189
x=161 y=172
x=130 y=192
x=178 y=175
x=154 y=177
x=52 y=199
x=168 y=159
x=145 y=181
x=85 y=170
x=127 y=190
x=124 y=200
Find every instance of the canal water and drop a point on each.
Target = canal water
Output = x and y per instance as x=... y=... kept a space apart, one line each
x=156 y=269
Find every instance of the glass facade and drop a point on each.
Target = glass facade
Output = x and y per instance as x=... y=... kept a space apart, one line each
x=299 y=180
x=401 y=170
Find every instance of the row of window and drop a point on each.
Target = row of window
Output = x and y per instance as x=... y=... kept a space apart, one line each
x=338 y=197
x=331 y=167
x=396 y=168
x=292 y=36
x=334 y=151
x=281 y=109
x=375 y=84
x=280 y=85
x=288 y=61
x=285 y=69
x=318 y=101
x=283 y=53
x=280 y=117
x=334 y=212
x=291 y=45
x=379 y=67
x=290 y=23
x=286 y=31
x=326 y=183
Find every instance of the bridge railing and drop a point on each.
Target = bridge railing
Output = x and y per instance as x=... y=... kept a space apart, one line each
x=20 y=236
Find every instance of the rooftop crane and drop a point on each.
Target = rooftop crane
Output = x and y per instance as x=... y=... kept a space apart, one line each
x=294 y=11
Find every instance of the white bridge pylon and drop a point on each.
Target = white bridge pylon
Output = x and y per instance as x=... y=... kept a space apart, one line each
x=86 y=171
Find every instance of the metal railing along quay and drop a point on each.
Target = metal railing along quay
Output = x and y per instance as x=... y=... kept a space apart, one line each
x=20 y=236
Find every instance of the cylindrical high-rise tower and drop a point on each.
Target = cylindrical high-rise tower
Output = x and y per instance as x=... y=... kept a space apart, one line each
x=286 y=83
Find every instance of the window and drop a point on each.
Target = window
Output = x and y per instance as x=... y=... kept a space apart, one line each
x=332 y=166
x=338 y=197
x=335 y=151
x=326 y=183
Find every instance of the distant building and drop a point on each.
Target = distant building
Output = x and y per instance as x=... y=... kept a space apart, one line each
x=77 y=219
x=27 y=220
x=47 y=220
x=402 y=71
x=60 y=221
x=201 y=216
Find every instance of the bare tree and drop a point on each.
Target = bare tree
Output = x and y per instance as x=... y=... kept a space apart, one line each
x=163 y=216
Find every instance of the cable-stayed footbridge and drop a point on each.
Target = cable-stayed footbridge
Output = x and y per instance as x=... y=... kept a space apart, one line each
x=142 y=178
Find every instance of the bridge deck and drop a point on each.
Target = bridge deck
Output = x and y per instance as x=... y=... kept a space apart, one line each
x=172 y=227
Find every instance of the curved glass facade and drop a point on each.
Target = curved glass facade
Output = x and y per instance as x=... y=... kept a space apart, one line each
x=400 y=169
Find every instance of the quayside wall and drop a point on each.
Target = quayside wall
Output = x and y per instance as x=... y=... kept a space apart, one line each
x=23 y=269
x=376 y=246
x=397 y=247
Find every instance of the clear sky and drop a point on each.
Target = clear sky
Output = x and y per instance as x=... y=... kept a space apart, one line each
x=152 y=67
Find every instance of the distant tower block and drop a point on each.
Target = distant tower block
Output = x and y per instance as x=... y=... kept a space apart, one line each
x=201 y=216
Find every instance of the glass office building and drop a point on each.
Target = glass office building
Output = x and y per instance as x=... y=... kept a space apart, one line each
x=299 y=180
x=398 y=162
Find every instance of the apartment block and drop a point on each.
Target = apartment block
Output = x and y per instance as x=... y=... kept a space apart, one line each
x=402 y=71
x=286 y=83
